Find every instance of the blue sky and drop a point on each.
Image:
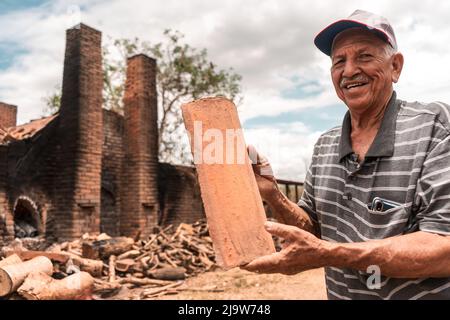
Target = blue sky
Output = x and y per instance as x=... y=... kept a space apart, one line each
x=288 y=94
x=9 y=51
x=319 y=119
x=7 y=6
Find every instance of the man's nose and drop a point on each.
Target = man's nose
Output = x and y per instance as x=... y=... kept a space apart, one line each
x=350 y=69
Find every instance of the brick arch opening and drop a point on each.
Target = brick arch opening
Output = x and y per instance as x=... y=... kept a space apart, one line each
x=27 y=219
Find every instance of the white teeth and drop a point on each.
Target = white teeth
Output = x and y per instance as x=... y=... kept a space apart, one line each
x=354 y=85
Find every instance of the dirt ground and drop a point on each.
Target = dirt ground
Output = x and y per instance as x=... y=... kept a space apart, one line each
x=237 y=284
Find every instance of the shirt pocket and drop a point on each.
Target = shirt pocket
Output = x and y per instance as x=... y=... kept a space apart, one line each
x=366 y=225
x=389 y=223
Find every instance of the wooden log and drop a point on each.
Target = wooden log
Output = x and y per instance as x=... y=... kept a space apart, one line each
x=145 y=261
x=93 y=267
x=103 y=236
x=112 y=269
x=148 y=293
x=129 y=255
x=227 y=183
x=26 y=255
x=166 y=258
x=169 y=273
x=205 y=260
x=139 y=275
x=152 y=239
x=12 y=276
x=105 y=288
x=124 y=265
x=155 y=262
x=12 y=259
x=143 y=282
x=40 y=286
x=103 y=249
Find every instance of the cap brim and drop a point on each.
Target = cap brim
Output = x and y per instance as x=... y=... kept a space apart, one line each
x=324 y=40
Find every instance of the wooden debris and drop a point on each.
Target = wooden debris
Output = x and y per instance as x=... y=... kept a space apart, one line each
x=166 y=256
x=12 y=276
x=129 y=255
x=93 y=267
x=124 y=265
x=106 y=289
x=143 y=282
x=177 y=273
x=102 y=249
x=40 y=286
x=151 y=293
x=26 y=255
x=12 y=259
x=112 y=269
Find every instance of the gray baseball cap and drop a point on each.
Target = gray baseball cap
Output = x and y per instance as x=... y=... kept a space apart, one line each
x=379 y=25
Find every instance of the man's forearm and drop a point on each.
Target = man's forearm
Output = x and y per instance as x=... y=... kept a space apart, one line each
x=290 y=213
x=415 y=255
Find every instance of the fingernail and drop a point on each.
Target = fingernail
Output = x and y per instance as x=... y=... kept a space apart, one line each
x=268 y=225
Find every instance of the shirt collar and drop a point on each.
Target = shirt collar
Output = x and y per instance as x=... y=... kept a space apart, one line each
x=383 y=144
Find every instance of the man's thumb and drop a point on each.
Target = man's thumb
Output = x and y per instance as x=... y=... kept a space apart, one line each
x=252 y=154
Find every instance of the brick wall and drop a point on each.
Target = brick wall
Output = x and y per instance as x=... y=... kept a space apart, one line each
x=77 y=197
x=92 y=170
x=179 y=195
x=112 y=155
x=32 y=173
x=3 y=192
x=140 y=166
x=8 y=115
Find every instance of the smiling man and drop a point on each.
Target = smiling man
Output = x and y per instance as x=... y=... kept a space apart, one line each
x=375 y=211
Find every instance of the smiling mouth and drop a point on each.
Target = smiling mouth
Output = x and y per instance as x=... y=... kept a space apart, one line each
x=354 y=85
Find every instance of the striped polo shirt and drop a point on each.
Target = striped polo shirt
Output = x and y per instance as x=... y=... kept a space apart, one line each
x=408 y=163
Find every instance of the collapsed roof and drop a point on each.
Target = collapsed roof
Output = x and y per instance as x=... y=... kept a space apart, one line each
x=25 y=131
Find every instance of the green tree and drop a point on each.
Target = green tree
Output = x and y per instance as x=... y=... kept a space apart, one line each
x=52 y=101
x=183 y=74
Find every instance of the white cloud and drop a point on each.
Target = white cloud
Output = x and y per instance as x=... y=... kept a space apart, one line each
x=268 y=42
x=288 y=147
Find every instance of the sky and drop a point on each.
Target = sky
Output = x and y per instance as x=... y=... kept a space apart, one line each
x=289 y=99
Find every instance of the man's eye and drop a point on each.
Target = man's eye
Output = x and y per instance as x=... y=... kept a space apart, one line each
x=338 y=62
x=365 y=56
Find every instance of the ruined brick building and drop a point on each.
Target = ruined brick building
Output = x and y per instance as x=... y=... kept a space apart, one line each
x=87 y=169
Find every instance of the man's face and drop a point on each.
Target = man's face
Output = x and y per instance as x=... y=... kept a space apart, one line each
x=363 y=69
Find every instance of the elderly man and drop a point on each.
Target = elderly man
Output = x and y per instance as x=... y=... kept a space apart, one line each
x=375 y=211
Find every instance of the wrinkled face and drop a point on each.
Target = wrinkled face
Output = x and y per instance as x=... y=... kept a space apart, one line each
x=363 y=69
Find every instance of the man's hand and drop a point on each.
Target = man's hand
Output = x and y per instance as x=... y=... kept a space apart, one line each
x=267 y=184
x=302 y=251
x=284 y=210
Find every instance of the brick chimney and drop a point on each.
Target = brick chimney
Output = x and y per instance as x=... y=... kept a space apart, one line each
x=140 y=190
x=77 y=208
x=4 y=212
x=8 y=115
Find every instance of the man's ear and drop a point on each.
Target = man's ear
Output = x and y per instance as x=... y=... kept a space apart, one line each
x=397 y=66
